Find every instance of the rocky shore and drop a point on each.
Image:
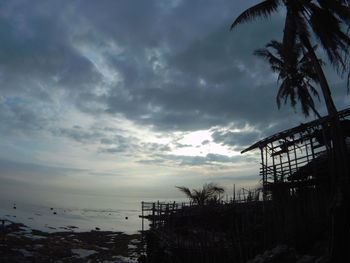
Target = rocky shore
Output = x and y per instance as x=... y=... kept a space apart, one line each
x=21 y=244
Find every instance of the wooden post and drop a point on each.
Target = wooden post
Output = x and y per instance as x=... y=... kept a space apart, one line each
x=273 y=162
x=266 y=160
x=234 y=192
x=263 y=167
x=158 y=207
x=142 y=214
x=282 y=172
x=295 y=156
x=312 y=148
x=289 y=163
x=153 y=214
x=307 y=152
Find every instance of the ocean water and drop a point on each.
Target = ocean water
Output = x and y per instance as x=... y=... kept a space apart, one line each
x=53 y=219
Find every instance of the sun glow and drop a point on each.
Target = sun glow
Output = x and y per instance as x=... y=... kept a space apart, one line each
x=200 y=143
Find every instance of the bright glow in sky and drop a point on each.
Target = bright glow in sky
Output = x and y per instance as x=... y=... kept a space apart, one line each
x=200 y=143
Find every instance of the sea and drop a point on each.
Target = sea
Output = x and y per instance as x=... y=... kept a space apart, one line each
x=60 y=218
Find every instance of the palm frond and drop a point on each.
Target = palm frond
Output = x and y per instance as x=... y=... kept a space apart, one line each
x=263 y=9
x=296 y=72
x=275 y=63
x=212 y=189
x=186 y=191
x=209 y=192
x=340 y=8
x=329 y=30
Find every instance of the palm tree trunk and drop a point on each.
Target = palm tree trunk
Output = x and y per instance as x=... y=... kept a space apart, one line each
x=289 y=36
x=339 y=172
x=332 y=110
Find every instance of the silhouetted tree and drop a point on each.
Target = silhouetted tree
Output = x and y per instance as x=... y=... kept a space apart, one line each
x=296 y=74
x=209 y=193
x=328 y=20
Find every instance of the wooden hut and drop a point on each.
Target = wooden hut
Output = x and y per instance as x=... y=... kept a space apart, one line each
x=299 y=157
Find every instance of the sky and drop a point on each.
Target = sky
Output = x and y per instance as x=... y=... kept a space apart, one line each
x=112 y=99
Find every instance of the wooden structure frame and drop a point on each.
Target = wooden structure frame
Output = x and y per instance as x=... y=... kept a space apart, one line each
x=284 y=155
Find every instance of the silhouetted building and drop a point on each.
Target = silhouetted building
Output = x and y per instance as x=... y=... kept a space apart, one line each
x=298 y=158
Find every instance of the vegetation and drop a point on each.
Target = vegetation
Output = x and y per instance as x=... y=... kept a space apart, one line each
x=210 y=193
x=297 y=78
x=329 y=21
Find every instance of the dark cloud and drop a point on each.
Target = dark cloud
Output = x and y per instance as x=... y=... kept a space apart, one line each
x=235 y=139
x=205 y=142
x=117 y=149
x=152 y=162
x=20 y=116
x=107 y=141
x=169 y=82
x=36 y=52
x=78 y=134
x=181 y=145
x=155 y=147
x=172 y=67
x=205 y=86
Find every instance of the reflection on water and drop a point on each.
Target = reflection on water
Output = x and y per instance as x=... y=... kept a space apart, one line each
x=51 y=219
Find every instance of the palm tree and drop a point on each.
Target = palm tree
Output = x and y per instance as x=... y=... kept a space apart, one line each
x=296 y=73
x=326 y=18
x=209 y=192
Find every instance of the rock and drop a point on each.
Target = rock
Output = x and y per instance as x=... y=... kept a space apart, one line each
x=142 y=259
x=57 y=246
x=306 y=259
x=281 y=253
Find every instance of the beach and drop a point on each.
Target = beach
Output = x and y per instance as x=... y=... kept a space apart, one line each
x=33 y=233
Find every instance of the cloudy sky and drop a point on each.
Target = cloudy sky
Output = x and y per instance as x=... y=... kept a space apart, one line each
x=103 y=99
